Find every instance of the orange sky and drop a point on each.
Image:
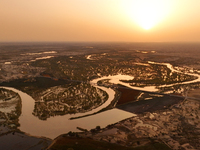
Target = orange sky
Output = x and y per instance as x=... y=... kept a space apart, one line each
x=99 y=20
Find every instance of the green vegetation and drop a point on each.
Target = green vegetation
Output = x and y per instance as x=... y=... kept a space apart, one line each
x=82 y=69
x=11 y=101
x=65 y=99
x=64 y=87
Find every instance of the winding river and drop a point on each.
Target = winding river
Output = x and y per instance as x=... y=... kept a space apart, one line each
x=54 y=126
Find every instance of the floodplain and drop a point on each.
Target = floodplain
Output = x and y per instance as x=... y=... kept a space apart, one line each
x=130 y=94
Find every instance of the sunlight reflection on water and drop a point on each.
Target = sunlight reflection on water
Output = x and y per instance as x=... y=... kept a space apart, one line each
x=54 y=126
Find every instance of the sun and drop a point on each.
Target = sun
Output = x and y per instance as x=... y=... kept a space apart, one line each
x=147 y=13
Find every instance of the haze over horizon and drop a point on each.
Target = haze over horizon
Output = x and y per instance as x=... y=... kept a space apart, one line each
x=100 y=21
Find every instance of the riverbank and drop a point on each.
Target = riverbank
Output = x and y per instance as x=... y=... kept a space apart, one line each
x=176 y=127
x=28 y=104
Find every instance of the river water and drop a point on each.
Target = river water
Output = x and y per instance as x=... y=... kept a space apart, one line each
x=54 y=126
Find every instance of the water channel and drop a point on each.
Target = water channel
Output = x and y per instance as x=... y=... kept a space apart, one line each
x=54 y=126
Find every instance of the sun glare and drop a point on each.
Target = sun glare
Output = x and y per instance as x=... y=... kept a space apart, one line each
x=147 y=13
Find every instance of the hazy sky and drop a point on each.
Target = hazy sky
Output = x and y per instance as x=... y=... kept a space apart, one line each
x=100 y=20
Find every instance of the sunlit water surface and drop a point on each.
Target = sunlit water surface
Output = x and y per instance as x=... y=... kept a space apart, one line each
x=54 y=126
